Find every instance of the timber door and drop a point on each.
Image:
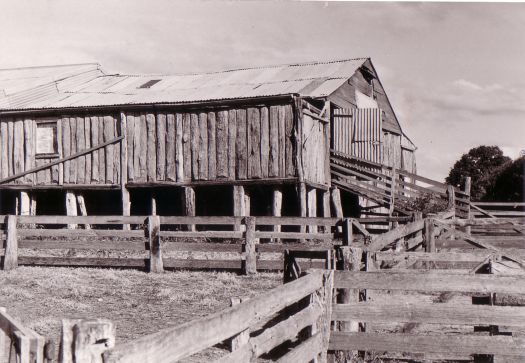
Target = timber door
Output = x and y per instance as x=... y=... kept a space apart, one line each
x=358 y=132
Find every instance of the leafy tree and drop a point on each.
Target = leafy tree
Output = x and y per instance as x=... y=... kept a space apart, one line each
x=509 y=184
x=482 y=164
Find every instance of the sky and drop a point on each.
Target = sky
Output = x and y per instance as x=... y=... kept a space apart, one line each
x=454 y=72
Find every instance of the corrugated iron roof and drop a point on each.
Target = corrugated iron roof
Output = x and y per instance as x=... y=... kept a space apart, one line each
x=86 y=85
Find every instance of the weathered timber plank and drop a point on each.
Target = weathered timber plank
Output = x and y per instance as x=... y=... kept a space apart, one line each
x=101 y=152
x=74 y=233
x=82 y=261
x=179 y=148
x=283 y=134
x=289 y=127
x=161 y=146
x=29 y=156
x=222 y=144
x=430 y=314
x=203 y=146
x=387 y=238
x=130 y=134
x=66 y=147
x=173 y=144
x=81 y=145
x=87 y=145
x=254 y=143
x=203 y=234
x=306 y=351
x=212 y=147
x=265 y=141
x=83 y=245
x=202 y=264
x=195 y=140
x=273 y=152
x=232 y=141
x=116 y=151
x=449 y=344
x=73 y=167
x=187 y=149
x=109 y=133
x=42 y=219
x=59 y=150
x=206 y=332
x=136 y=147
x=241 y=145
x=95 y=154
x=4 y=171
x=429 y=281
x=143 y=148
x=151 y=150
x=18 y=148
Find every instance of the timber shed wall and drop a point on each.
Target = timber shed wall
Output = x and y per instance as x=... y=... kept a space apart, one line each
x=165 y=146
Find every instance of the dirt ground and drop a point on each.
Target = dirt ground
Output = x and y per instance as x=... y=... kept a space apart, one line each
x=138 y=303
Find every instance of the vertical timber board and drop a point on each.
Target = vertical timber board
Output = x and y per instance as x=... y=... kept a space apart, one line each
x=284 y=133
x=173 y=143
x=212 y=147
x=11 y=246
x=95 y=156
x=66 y=147
x=109 y=133
x=222 y=144
x=250 y=267
x=130 y=136
x=123 y=125
x=116 y=151
x=143 y=148
x=195 y=131
x=203 y=146
x=81 y=145
x=241 y=145
x=136 y=147
x=101 y=152
x=10 y=131
x=273 y=153
x=265 y=141
x=289 y=127
x=254 y=143
x=18 y=148
x=186 y=147
x=4 y=146
x=151 y=153
x=298 y=133
x=179 y=148
x=28 y=149
x=232 y=141
x=73 y=149
x=161 y=146
x=156 y=263
x=59 y=150
x=312 y=208
x=327 y=133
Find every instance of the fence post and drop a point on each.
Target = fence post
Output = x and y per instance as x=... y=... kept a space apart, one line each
x=468 y=184
x=348 y=231
x=351 y=261
x=11 y=244
x=451 y=195
x=430 y=242
x=155 y=259
x=243 y=337
x=324 y=321
x=86 y=340
x=250 y=263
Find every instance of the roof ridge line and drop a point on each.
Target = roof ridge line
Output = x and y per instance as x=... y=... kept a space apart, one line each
x=51 y=66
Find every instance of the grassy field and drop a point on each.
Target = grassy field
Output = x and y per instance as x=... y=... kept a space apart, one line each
x=138 y=303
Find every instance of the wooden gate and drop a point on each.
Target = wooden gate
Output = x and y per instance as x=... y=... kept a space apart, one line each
x=358 y=132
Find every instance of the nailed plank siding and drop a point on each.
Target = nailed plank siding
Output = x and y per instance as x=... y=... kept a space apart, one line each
x=161 y=146
x=172 y=142
x=222 y=144
x=254 y=143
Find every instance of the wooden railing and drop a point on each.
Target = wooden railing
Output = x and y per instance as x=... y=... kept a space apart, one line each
x=153 y=242
x=19 y=343
x=294 y=317
x=441 y=340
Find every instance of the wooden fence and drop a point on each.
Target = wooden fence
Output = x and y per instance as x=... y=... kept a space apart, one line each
x=156 y=243
x=18 y=343
x=290 y=323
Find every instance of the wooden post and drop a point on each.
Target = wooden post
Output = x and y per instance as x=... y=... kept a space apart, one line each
x=312 y=208
x=301 y=193
x=336 y=202
x=86 y=340
x=326 y=208
x=351 y=261
x=24 y=204
x=466 y=189
x=392 y=192
x=155 y=259
x=153 y=204
x=250 y=263
x=323 y=324
x=243 y=337
x=82 y=208
x=188 y=204
x=126 y=206
x=348 y=231
x=71 y=207
x=451 y=194
x=11 y=244
x=241 y=204
x=277 y=205
x=125 y=199
x=430 y=242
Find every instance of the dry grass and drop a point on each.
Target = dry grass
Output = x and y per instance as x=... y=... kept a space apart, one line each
x=138 y=303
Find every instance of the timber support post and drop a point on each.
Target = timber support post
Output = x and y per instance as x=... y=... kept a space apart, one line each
x=348 y=231
x=430 y=242
x=241 y=204
x=277 y=205
x=243 y=337
x=451 y=195
x=71 y=207
x=312 y=208
x=188 y=204
x=466 y=189
x=250 y=261
x=156 y=264
x=11 y=243
x=303 y=203
x=86 y=340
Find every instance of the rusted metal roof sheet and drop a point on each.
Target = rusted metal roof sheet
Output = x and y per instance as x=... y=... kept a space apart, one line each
x=87 y=85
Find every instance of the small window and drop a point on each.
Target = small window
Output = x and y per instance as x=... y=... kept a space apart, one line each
x=150 y=83
x=46 y=138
